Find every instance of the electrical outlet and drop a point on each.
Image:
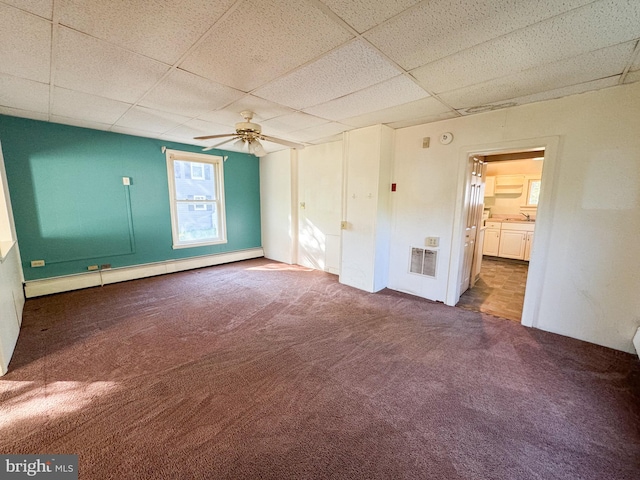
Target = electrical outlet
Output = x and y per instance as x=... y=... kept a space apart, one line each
x=37 y=263
x=92 y=267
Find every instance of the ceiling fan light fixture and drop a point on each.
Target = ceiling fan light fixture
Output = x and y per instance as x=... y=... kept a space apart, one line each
x=258 y=149
x=239 y=143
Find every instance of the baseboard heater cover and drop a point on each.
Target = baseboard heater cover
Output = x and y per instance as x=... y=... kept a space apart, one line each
x=47 y=286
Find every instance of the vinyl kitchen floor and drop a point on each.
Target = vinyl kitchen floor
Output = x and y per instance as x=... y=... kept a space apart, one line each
x=500 y=290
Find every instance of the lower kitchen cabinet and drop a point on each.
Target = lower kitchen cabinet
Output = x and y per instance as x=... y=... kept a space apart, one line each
x=491 y=241
x=508 y=239
x=512 y=244
x=527 y=247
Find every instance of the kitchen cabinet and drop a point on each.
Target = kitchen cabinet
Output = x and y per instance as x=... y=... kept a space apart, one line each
x=508 y=184
x=491 y=239
x=508 y=239
x=512 y=244
x=527 y=247
x=490 y=186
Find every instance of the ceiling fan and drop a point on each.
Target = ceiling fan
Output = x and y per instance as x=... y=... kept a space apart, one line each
x=250 y=134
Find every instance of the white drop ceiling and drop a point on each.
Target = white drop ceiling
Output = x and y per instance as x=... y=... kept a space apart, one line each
x=310 y=69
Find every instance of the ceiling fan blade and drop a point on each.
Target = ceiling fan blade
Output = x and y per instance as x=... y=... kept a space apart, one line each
x=218 y=144
x=208 y=137
x=281 y=142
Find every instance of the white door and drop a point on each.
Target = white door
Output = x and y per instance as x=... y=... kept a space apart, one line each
x=473 y=206
x=320 y=206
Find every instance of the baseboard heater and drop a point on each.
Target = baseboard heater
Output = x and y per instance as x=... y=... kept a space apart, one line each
x=47 y=286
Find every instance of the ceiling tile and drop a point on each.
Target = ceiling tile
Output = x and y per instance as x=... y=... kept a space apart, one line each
x=136 y=132
x=321 y=131
x=345 y=70
x=75 y=122
x=198 y=128
x=583 y=68
x=396 y=91
x=160 y=30
x=423 y=108
x=42 y=8
x=364 y=14
x=16 y=112
x=438 y=28
x=277 y=37
x=187 y=94
x=632 y=77
x=550 y=94
x=425 y=119
x=589 y=28
x=150 y=120
x=26 y=45
x=290 y=123
x=23 y=94
x=92 y=66
x=262 y=109
x=636 y=62
x=72 y=104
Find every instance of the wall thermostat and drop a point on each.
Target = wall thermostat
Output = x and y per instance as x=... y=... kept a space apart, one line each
x=446 y=138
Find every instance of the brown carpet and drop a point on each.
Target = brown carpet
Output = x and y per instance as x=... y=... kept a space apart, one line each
x=258 y=370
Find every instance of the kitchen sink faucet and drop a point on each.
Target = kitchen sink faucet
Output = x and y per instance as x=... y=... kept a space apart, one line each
x=527 y=216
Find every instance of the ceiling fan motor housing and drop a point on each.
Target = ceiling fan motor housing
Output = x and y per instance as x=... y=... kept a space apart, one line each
x=248 y=127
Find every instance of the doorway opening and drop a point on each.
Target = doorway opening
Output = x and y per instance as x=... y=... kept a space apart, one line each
x=511 y=186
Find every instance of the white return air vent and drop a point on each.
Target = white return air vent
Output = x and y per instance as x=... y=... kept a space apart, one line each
x=423 y=261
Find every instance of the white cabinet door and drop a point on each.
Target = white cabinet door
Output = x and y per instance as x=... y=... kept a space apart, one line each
x=489 y=186
x=527 y=248
x=491 y=241
x=512 y=244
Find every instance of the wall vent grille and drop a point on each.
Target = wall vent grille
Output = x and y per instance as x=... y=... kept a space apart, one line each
x=423 y=261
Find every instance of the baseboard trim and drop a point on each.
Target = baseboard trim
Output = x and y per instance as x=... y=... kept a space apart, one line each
x=48 y=286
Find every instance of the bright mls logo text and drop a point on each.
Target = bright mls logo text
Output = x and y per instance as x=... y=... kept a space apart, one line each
x=59 y=467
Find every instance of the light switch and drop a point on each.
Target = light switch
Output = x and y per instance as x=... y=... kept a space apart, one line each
x=433 y=241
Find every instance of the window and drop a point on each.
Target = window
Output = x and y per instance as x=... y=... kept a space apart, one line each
x=534 y=192
x=196 y=191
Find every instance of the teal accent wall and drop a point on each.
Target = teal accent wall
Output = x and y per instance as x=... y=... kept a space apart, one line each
x=72 y=210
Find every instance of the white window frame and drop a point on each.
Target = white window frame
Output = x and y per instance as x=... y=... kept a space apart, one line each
x=529 y=186
x=218 y=176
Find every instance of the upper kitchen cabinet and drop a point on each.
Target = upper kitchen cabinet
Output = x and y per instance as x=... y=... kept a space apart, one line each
x=489 y=186
x=505 y=184
x=512 y=187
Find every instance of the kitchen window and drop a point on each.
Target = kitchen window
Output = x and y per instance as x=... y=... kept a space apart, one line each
x=533 y=192
x=196 y=192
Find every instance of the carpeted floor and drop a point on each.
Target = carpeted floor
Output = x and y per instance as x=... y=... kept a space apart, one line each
x=258 y=370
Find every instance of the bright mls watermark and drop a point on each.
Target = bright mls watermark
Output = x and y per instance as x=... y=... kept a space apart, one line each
x=50 y=467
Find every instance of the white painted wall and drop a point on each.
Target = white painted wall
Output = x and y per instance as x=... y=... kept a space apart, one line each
x=320 y=206
x=585 y=269
x=11 y=294
x=277 y=211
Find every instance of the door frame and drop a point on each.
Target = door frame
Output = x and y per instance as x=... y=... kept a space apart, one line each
x=539 y=254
